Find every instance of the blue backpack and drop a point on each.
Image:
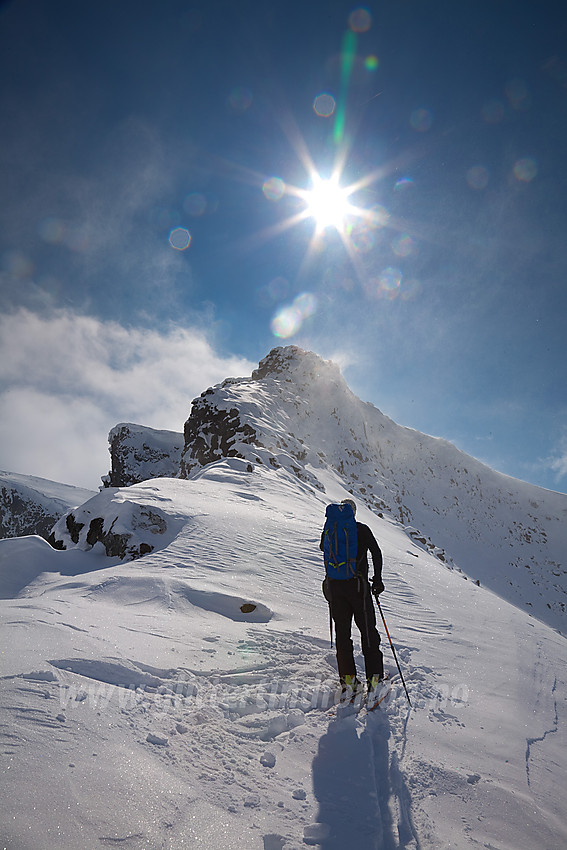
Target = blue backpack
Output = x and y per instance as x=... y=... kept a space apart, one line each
x=340 y=542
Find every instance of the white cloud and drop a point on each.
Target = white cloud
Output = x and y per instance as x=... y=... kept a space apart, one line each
x=66 y=379
x=558 y=462
x=55 y=437
x=559 y=465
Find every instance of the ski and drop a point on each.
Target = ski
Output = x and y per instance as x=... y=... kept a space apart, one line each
x=360 y=702
x=374 y=701
x=347 y=705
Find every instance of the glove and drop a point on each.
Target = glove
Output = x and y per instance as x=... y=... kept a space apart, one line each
x=377 y=585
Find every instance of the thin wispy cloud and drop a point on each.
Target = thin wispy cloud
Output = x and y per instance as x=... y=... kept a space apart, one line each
x=558 y=461
x=66 y=379
x=96 y=231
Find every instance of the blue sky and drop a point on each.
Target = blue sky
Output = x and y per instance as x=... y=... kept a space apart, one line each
x=154 y=239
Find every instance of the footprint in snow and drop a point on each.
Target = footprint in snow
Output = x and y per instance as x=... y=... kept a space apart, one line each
x=268 y=759
x=274 y=841
x=315 y=833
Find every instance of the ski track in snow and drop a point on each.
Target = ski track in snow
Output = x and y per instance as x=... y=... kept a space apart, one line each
x=218 y=728
x=545 y=700
x=256 y=712
x=540 y=738
x=184 y=698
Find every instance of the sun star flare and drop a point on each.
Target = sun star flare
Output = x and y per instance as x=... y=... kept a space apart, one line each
x=327 y=203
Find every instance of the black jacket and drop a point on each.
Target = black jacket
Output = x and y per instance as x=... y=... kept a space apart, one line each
x=365 y=542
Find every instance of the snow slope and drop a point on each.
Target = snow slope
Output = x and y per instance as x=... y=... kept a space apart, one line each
x=297 y=413
x=31 y=505
x=182 y=699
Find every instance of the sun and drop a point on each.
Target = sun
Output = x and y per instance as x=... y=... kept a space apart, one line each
x=327 y=203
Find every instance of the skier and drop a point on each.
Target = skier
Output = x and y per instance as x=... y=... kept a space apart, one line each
x=351 y=597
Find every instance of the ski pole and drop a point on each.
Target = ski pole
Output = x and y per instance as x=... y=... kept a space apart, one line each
x=392 y=645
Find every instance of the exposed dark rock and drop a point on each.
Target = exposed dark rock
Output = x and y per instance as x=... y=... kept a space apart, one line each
x=32 y=505
x=95 y=533
x=138 y=453
x=73 y=527
x=57 y=544
x=285 y=361
x=211 y=434
x=20 y=516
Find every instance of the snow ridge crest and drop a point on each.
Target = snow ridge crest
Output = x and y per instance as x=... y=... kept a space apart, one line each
x=297 y=413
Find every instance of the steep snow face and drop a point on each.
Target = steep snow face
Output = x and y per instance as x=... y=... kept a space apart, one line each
x=30 y=505
x=138 y=453
x=296 y=412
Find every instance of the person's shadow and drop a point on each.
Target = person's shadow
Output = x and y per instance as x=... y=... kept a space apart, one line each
x=352 y=782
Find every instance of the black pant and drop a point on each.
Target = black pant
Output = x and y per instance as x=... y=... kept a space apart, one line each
x=348 y=599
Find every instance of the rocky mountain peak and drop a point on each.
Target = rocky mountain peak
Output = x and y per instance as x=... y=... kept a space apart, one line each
x=293 y=362
x=277 y=417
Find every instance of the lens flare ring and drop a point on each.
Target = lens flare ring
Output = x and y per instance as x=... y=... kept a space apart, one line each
x=289 y=319
x=180 y=238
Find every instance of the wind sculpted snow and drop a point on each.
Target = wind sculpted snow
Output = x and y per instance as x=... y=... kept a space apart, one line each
x=186 y=698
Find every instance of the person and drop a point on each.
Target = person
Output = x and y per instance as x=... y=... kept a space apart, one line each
x=350 y=598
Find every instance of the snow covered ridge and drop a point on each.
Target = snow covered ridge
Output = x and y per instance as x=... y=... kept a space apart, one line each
x=138 y=453
x=297 y=413
x=31 y=505
x=185 y=698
